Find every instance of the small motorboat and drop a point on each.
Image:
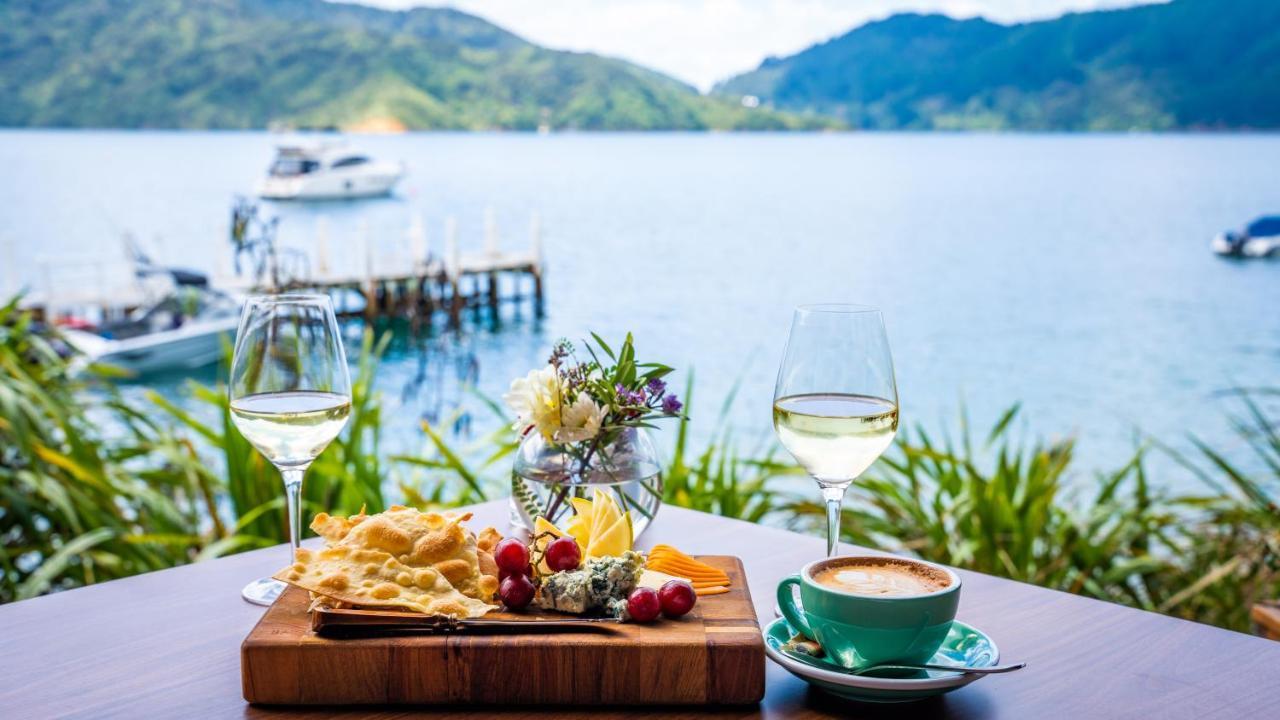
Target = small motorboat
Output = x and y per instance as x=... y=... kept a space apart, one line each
x=1260 y=238
x=184 y=329
x=327 y=171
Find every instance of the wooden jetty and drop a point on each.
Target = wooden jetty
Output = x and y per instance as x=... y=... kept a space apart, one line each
x=408 y=280
x=423 y=285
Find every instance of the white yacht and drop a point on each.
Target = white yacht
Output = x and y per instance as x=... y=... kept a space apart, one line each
x=327 y=171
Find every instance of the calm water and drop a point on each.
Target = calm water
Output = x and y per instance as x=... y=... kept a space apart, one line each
x=1070 y=273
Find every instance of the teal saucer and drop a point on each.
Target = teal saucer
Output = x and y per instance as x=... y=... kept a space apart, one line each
x=965 y=646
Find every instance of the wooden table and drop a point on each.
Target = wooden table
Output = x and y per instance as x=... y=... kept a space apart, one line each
x=167 y=645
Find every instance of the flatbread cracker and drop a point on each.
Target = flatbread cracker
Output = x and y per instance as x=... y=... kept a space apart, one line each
x=374 y=578
x=421 y=540
x=402 y=558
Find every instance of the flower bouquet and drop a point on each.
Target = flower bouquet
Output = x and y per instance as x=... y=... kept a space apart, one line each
x=584 y=424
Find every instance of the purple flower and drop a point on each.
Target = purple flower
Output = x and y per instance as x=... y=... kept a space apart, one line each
x=627 y=397
x=656 y=386
x=671 y=405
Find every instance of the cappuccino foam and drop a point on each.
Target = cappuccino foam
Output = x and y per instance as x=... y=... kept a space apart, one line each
x=881 y=577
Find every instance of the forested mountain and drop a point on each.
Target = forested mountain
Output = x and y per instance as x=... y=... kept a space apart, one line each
x=1187 y=64
x=251 y=63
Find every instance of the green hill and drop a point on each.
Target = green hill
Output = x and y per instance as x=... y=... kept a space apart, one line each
x=251 y=63
x=1188 y=64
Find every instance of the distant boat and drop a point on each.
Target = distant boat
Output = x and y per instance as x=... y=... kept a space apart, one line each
x=327 y=171
x=1260 y=238
x=186 y=326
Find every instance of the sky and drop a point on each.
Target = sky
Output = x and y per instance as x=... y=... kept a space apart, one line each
x=705 y=41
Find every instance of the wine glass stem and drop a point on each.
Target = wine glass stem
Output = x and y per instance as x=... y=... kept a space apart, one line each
x=834 y=495
x=293 y=497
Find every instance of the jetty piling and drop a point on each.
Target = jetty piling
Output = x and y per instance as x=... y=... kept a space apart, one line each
x=409 y=281
x=322 y=247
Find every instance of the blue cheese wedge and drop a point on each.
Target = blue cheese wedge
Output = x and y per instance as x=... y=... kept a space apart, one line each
x=613 y=577
x=564 y=591
x=598 y=585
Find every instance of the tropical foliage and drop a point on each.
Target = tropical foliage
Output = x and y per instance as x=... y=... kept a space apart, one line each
x=80 y=505
x=346 y=477
x=1232 y=545
x=1007 y=509
x=1012 y=515
x=72 y=512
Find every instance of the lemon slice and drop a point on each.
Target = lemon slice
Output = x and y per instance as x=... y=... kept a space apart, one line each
x=615 y=540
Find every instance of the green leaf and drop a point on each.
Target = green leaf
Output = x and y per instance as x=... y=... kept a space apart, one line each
x=604 y=347
x=38 y=581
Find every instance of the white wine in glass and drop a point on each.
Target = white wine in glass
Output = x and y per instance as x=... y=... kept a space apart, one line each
x=835 y=406
x=291 y=428
x=290 y=395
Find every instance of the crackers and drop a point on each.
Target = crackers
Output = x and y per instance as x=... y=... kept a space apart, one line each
x=401 y=558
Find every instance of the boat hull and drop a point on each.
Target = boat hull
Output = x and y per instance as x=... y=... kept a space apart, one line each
x=1259 y=247
x=332 y=185
x=186 y=348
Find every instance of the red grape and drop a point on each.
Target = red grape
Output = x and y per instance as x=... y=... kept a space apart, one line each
x=512 y=556
x=516 y=591
x=563 y=554
x=643 y=604
x=677 y=598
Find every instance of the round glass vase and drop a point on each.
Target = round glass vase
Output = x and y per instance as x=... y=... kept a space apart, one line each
x=544 y=479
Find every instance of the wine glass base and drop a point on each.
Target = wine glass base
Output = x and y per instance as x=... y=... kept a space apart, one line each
x=262 y=591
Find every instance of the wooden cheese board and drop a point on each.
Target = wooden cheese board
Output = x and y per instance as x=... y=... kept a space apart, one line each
x=714 y=655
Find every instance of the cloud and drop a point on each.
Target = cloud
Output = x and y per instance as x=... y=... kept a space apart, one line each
x=704 y=41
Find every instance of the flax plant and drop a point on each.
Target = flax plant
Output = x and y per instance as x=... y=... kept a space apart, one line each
x=71 y=512
x=1012 y=515
x=346 y=477
x=1232 y=551
x=80 y=505
x=460 y=475
x=718 y=479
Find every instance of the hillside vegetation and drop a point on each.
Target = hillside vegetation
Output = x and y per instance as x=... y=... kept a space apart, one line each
x=1188 y=64
x=252 y=63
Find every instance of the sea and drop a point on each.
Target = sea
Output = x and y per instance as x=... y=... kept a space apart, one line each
x=1068 y=274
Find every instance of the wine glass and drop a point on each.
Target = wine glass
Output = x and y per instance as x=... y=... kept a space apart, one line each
x=835 y=405
x=290 y=395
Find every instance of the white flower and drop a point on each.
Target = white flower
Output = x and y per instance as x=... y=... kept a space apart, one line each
x=535 y=399
x=581 y=420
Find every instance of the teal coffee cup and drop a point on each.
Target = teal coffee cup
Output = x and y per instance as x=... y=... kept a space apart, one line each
x=866 y=610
